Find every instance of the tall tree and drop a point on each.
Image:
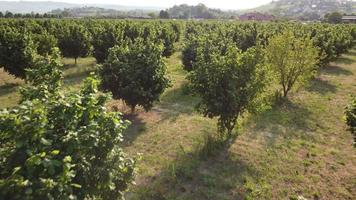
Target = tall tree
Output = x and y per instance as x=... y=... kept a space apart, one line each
x=229 y=84
x=136 y=73
x=74 y=41
x=153 y=15
x=333 y=18
x=104 y=38
x=163 y=14
x=167 y=37
x=292 y=59
x=9 y=14
x=17 y=51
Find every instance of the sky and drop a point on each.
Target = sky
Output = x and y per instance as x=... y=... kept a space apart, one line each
x=223 y=4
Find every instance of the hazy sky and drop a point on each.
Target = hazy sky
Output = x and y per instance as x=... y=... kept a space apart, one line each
x=224 y=4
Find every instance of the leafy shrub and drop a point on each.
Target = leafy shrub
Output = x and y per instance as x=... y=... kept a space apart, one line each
x=351 y=117
x=136 y=73
x=227 y=83
x=292 y=59
x=74 y=41
x=189 y=54
x=177 y=30
x=168 y=37
x=17 y=51
x=105 y=38
x=45 y=43
x=333 y=18
x=61 y=146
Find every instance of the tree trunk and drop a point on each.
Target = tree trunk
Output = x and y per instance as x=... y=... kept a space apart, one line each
x=75 y=61
x=133 y=109
x=285 y=93
x=285 y=90
x=230 y=127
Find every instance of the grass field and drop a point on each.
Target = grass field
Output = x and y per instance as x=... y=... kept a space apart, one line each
x=298 y=149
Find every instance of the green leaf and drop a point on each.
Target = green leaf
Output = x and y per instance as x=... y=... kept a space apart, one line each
x=67 y=159
x=46 y=142
x=55 y=152
x=76 y=185
x=56 y=163
x=16 y=169
x=43 y=154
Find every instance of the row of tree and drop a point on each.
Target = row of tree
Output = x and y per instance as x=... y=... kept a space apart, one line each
x=231 y=65
x=56 y=145
x=9 y=14
x=76 y=38
x=332 y=40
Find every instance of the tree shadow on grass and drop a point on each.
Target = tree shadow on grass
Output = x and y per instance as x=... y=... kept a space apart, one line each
x=220 y=176
x=176 y=102
x=76 y=77
x=351 y=53
x=8 y=88
x=173 y=104
x=335 y=70
x=136 y=128
x=286 y=120
x=321 y=86
x=344 y=60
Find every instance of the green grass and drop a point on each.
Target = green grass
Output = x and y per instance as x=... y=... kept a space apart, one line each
x=298 y=148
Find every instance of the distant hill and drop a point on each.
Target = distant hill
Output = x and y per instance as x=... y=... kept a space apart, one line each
x=312 y=9
x=47 y=6
x=201 y=11
x=301 y=9
x=101 y=12
x=185 y=11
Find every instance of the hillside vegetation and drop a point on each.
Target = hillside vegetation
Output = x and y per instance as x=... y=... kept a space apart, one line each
x=309 y=9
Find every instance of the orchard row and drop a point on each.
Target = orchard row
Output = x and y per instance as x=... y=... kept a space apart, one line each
x=22 y=40
x=59 y=145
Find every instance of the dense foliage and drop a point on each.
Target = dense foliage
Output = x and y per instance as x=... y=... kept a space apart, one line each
x=17 y=51
x=136 y=73
x=292 y=60
x=199 y=11
x=106 y=37
x=74 y=41
x=332 y=40
x=164 y=14
x=301 y=51
x=56 y=146
x=333 y=18
x=45 y=43
x=107 y=34
x=228 y=81
x=131 y=54
x=351 y=117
